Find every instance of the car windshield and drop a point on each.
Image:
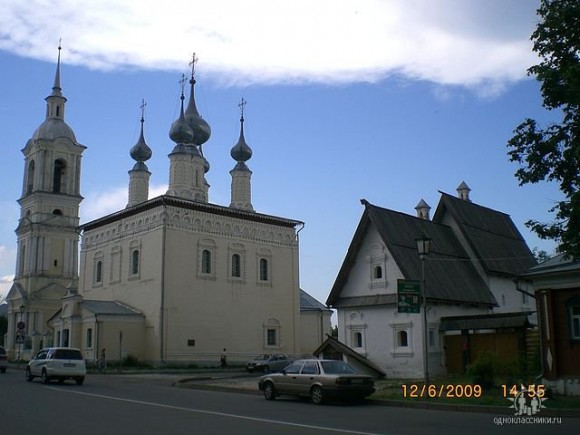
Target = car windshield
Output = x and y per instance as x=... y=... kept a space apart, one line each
x=336 y=368
x=262 y=357
x=67 y=354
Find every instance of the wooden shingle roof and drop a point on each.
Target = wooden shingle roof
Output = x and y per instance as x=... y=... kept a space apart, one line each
x=450 y=274
x=492 y=235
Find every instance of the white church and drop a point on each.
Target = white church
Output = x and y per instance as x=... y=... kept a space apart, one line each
x=172 y=279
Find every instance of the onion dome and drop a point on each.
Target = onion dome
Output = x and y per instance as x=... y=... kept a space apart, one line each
x=206 y=165
x=141 y=151
x=201 y=129
x=241 y=152
x=180 y=131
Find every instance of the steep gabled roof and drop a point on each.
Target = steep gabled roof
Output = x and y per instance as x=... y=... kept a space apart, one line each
x=342 y=348
x=492 y=235
x=450 y=275
x=109 y=308
x=308 y=303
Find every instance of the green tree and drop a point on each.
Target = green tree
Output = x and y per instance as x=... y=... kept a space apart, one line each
x=540 y=255
x=552 y=152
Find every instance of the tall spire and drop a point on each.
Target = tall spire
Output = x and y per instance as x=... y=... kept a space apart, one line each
x=54 y=126
x=56 y=89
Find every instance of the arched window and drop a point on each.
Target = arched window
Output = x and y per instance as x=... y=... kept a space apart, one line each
x=58 y=184
x=135 y=262
x=263 y=269
x=30 y=181
x=378 y=272
x=22 y=259
x=402 y=339
x=236 y=266
x=99 y=272
x=205 y=261
x=358 y=339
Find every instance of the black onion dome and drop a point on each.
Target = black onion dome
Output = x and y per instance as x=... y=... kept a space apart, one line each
x=141 y=151
x=200 y=127
x=180 y=131
x=241 y=152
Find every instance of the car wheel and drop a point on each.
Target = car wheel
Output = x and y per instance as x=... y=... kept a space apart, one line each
x=266 y=369
x=269 y=391
x=316 y=395
x=44 y=377
x=29 y=376
x=80 y=380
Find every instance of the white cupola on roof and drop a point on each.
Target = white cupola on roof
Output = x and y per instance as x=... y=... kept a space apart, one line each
x=463 y=191
x=423 y=210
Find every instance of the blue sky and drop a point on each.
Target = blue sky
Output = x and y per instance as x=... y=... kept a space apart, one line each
x=390 y=101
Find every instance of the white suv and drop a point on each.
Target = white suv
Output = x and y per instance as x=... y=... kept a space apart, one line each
x=59 y=363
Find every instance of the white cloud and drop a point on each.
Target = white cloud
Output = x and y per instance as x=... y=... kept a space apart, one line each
x=450 y=42
x=7 y=265
x=7 y=259
x=99 y=204
x=5 y=284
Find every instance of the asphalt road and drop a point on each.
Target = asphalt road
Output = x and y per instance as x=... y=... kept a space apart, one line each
x=143 y=405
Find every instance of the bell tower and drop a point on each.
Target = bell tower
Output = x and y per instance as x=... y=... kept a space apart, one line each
x=47 y=232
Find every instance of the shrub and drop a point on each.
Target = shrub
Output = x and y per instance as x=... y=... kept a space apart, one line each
x=482 y=370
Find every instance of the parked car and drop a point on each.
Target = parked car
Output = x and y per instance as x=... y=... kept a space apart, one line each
x=3 y=360
x=268 y=362
x=60 y=363
x=318 y=379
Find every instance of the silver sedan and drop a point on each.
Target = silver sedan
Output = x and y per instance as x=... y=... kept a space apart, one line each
x=318 y=379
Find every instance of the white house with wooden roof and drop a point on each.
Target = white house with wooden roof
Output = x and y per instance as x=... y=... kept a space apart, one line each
x=476 y=253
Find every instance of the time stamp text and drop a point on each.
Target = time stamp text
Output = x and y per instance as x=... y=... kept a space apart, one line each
x=452 y=391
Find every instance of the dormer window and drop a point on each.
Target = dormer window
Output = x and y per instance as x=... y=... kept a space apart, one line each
x=378 y=272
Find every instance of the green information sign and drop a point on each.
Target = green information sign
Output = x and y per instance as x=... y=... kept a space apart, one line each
x=408 y=296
